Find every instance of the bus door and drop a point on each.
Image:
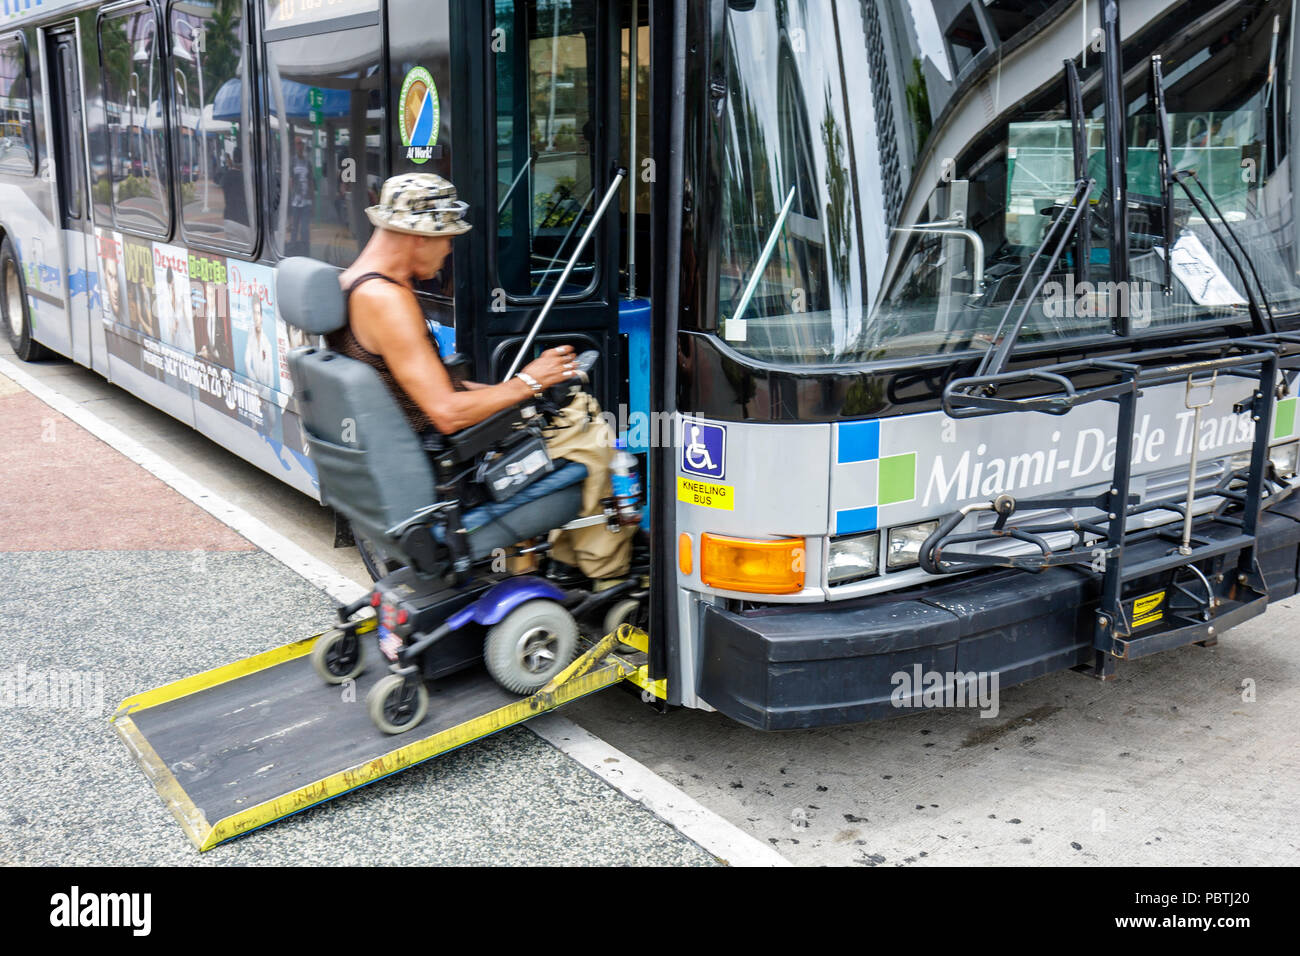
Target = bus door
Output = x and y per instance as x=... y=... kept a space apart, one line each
x=69 y=150
x=547 y=103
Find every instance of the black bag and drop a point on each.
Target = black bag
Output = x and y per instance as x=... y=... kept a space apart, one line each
x=509 y=470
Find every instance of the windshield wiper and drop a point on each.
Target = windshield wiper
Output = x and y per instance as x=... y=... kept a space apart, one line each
x=1164 y=160
x=1169 y=176
x=1079 y=141
x=768 y=247
x=995 y=359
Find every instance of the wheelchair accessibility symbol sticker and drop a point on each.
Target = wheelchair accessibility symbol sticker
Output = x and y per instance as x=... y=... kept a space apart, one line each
x=704 y=449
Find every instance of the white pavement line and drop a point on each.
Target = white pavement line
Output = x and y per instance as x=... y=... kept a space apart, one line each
x=639 y=783
x=340 y=587
x=684 y=813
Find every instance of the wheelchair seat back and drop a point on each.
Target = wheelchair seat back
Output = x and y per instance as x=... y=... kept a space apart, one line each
x=369 y=463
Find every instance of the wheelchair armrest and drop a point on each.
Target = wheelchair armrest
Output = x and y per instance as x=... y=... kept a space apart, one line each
x=468 y=443
x=457 y=365
x=423 y=516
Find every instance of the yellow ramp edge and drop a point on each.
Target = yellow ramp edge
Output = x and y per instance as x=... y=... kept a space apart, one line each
x=593 y=670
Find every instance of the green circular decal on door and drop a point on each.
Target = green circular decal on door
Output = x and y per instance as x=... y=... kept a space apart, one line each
x=418 y=115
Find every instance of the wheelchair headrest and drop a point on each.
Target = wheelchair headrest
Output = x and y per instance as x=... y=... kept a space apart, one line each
x=309 y=296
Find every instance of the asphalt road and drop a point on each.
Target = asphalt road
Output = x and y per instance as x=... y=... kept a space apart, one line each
x=1189 y=757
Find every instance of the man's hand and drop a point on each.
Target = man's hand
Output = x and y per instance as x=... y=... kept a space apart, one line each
x=553 y=366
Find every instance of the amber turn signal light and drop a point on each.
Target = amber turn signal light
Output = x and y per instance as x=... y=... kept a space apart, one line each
x=756 y=567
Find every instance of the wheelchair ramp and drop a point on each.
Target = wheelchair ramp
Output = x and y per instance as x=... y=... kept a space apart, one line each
x=235 y=748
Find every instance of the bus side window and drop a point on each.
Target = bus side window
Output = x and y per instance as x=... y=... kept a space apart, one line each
x=325 y=135
x=212 y=113
x=138 y=185
x=17 y=146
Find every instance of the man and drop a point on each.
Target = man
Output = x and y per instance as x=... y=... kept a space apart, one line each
x=231 y=181
x=302 y=198
x=173 y=312
x=212 y=324
x=258 y=364
x=112 y=281
x=417 y=216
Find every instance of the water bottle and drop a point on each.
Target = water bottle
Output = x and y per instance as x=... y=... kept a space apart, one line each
x=626 y=484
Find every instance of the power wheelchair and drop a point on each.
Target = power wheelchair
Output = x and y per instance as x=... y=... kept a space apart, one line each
x=449 y=516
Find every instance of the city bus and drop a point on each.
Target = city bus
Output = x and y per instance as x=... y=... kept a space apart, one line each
x=958 y=338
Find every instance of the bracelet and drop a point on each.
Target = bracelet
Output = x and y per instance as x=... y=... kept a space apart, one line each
x=530 y=382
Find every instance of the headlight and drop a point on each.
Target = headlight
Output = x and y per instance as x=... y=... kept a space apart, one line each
x=853 y=558
x=905 y=544
x=1285 y=458
x=1239 y=462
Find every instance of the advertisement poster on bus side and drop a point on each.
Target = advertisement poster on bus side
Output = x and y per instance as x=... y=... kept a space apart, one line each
x=112 y=278
x=210 y=304
x=137 y=263
x=172 y=295
x=287 y=339
x=253 y=322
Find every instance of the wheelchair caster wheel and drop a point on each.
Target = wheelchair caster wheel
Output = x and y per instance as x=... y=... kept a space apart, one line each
x=531 y=645
x=396 y=705
x=337 y=658
x=623 y=612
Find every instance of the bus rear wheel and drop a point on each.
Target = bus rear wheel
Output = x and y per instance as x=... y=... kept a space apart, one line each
x=13 y=305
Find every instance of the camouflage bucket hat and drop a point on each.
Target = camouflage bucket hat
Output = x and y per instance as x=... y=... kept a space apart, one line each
x=424 y=204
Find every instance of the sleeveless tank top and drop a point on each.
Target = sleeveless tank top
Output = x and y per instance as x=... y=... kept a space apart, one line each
x=345 y=342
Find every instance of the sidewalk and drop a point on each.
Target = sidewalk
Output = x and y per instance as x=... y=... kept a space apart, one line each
x=113 y=583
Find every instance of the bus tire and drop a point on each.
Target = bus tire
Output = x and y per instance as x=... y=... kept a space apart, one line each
x=16 y=315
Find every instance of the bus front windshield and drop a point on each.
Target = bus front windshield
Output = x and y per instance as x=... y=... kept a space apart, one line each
x=890 y=169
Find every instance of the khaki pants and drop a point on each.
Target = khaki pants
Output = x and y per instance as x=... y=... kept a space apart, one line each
x=580 y=434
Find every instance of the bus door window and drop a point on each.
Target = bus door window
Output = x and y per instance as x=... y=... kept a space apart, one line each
x=324 y=128
x=637 y=193
x=1228 y=120
x=212 y=110
x=547 y=121
x=138 y=187
x=70 y=136
x=17 y=145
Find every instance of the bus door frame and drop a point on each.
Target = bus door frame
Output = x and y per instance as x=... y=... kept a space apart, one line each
x=66 y=121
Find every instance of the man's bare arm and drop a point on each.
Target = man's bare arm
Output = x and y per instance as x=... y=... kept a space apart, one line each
x=387 y=320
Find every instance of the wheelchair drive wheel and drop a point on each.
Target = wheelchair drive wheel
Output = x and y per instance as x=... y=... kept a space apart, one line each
x=397 y=703
x=337 y=657
x=531 y=645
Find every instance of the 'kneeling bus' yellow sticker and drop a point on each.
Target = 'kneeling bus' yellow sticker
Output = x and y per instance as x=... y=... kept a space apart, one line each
x=708 y=494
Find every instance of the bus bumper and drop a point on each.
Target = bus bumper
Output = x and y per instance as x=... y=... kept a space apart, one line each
x=786 y=668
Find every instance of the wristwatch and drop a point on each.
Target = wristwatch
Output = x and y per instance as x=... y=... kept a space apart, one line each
x=530 y=382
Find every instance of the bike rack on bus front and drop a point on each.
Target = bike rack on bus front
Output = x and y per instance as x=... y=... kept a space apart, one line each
x=1102 y=544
